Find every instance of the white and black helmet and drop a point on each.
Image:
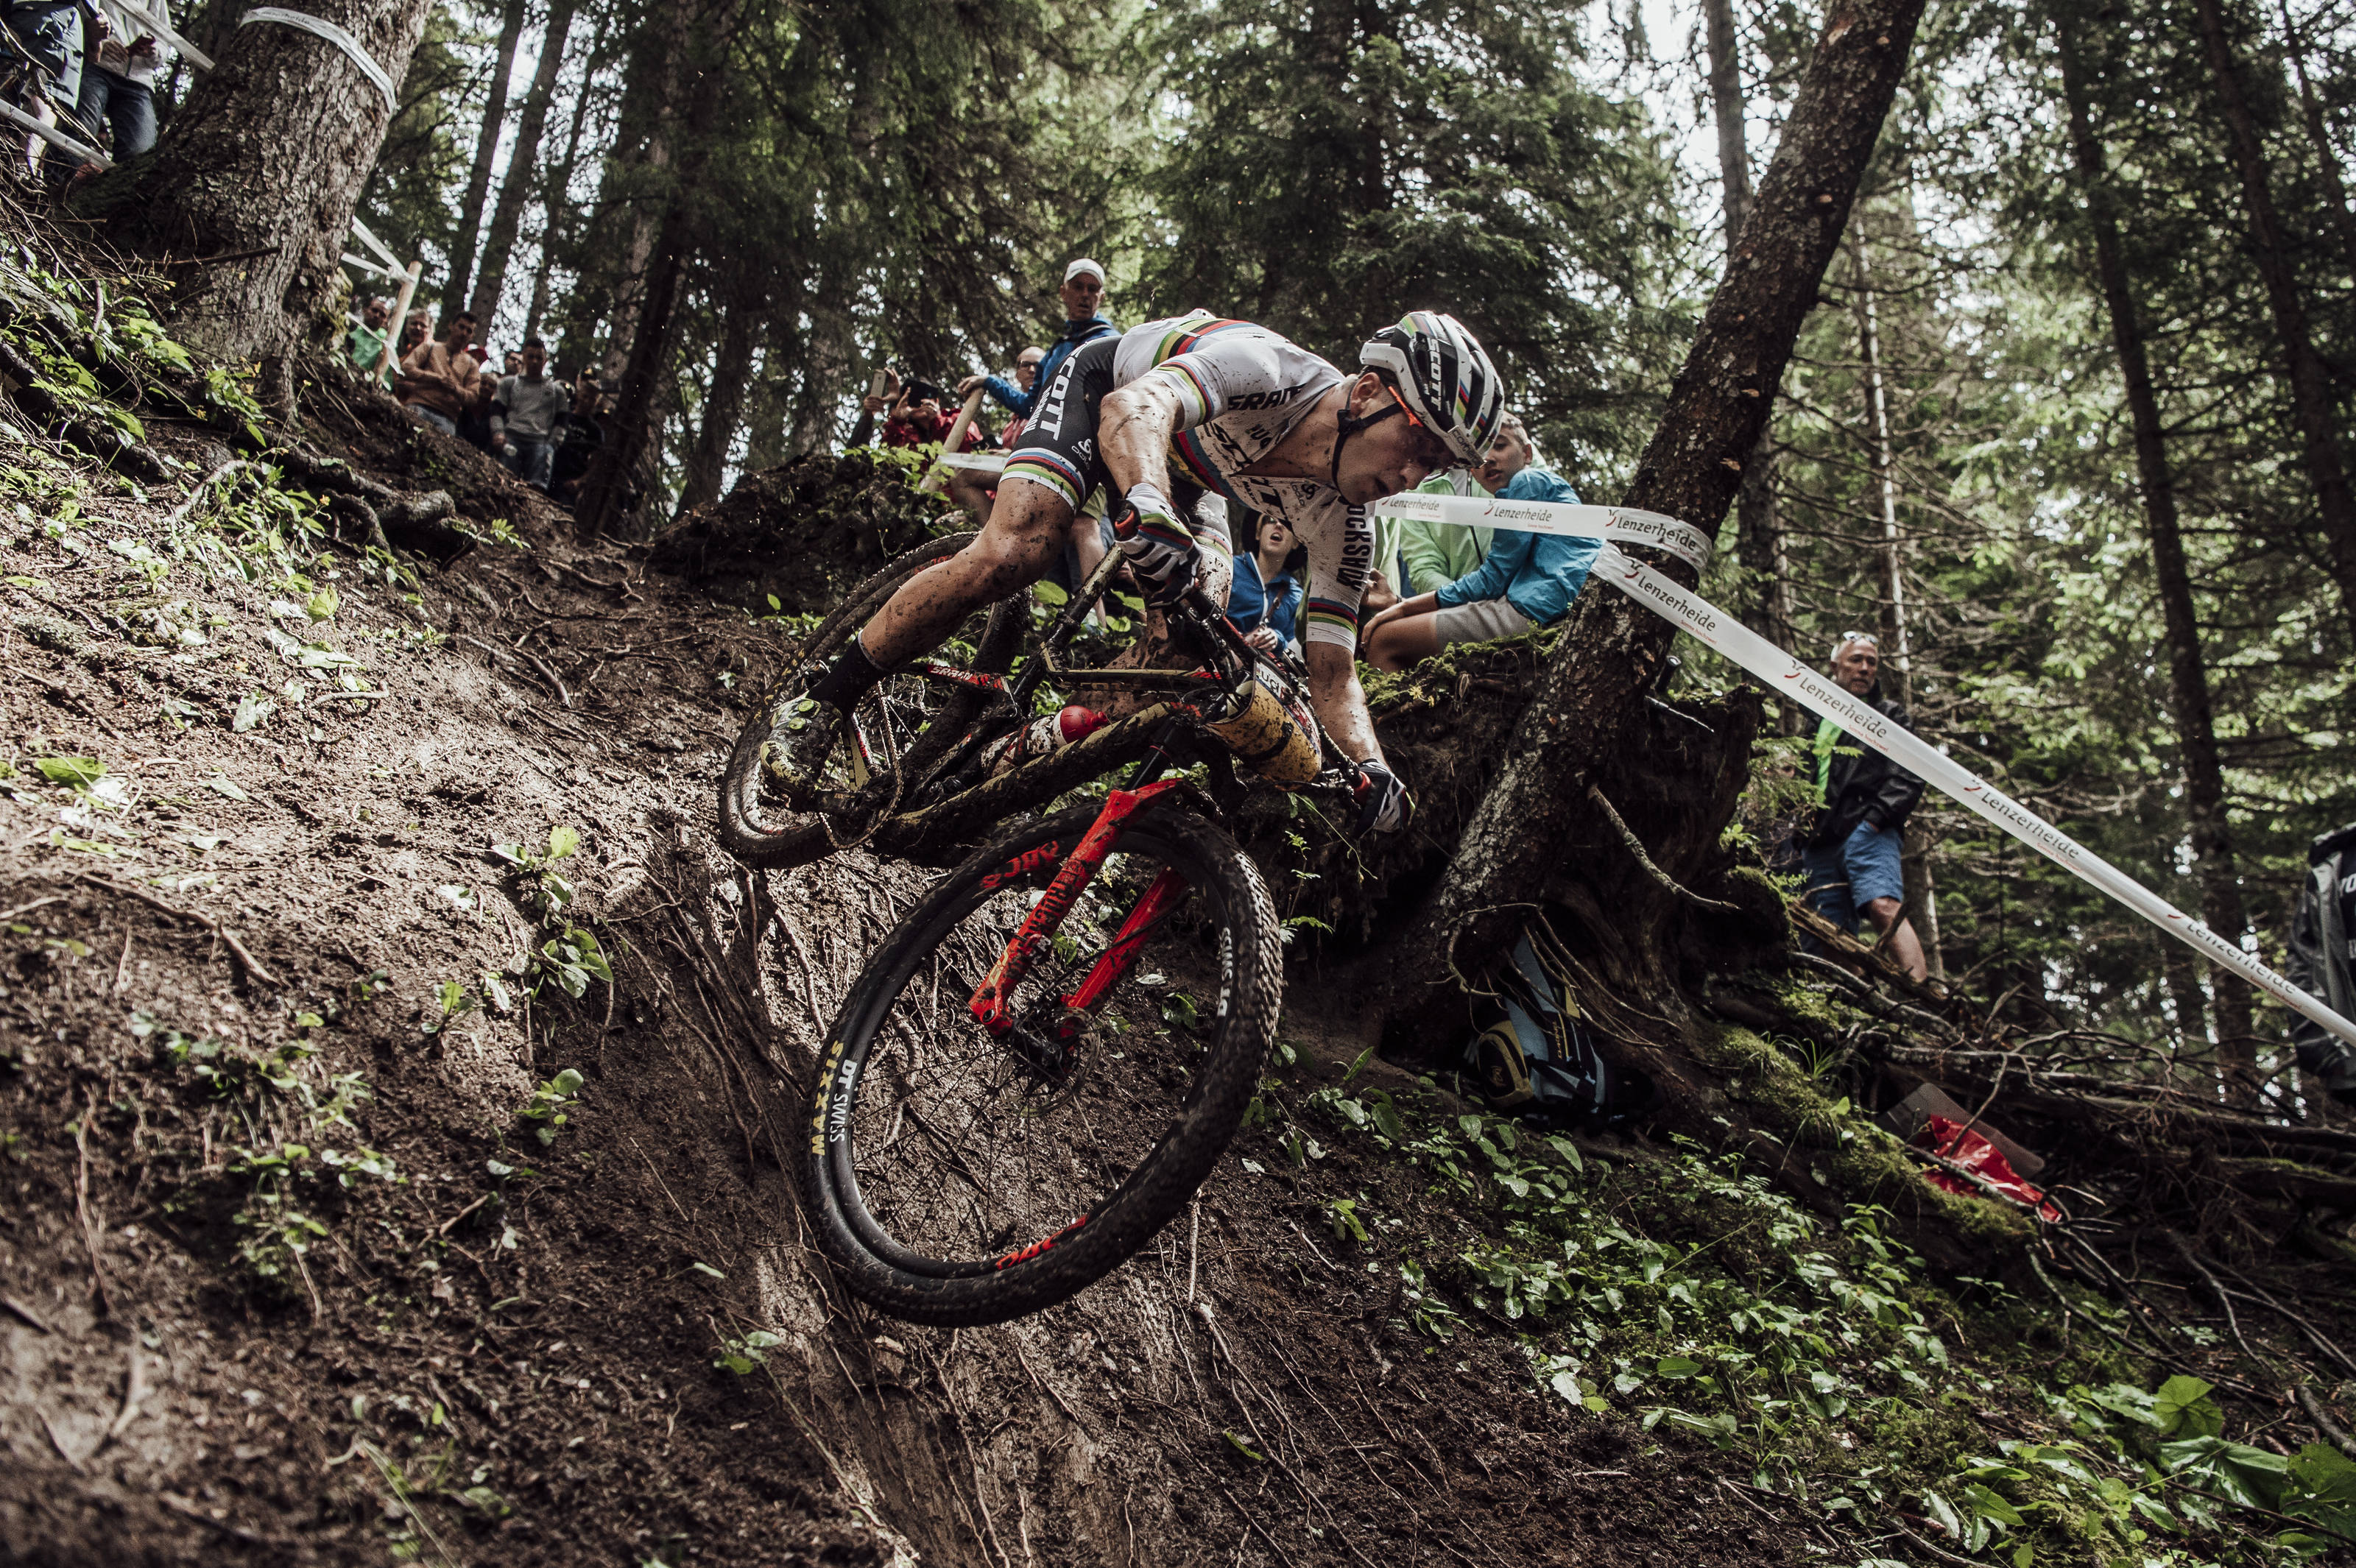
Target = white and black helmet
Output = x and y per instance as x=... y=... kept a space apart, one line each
x=1444 y=375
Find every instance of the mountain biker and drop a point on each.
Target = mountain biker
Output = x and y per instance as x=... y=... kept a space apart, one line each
x=1161 y=415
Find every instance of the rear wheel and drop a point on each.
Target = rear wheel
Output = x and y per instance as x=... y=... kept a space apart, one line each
x=959 y=1178
x=901 y=728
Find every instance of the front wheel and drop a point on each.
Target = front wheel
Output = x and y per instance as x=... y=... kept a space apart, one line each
x=956 y=1177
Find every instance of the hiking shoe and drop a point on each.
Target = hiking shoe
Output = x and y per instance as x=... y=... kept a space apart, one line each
x=802 y=742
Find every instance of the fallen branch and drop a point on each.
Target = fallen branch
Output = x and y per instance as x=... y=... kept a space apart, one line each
x=81 y=1206
x=2323 y=1423
x=1636 y=847
x=203 y=487
x=253 y=967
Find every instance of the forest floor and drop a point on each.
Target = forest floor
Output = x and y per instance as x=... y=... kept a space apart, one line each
x=349 y=1208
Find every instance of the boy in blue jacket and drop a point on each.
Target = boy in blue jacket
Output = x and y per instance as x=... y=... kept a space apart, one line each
x=1526 y=581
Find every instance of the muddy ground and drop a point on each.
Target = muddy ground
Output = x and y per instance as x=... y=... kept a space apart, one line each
x=482 y=1348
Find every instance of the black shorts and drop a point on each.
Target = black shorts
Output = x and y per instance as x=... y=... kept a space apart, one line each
x=1058 y=447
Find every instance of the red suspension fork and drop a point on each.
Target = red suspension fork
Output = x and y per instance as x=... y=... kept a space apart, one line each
x=988 y=1002
x=1159 y=899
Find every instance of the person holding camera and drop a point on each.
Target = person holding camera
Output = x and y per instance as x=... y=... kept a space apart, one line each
x=118 y=80
x=917 y=417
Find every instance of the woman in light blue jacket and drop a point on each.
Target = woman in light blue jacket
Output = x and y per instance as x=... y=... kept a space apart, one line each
x=1526 y=581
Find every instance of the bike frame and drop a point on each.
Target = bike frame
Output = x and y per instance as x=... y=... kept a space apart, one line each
x=989 y=1003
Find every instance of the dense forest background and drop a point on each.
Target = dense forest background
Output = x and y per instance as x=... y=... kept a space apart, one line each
x=1954 y=461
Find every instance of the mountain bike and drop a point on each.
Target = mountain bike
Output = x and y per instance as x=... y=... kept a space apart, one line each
x=1011 y=1100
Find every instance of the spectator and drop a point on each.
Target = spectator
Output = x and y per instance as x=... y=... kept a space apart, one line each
x=413 y=332
x=975 y=489
x=1265 y=599
x=1851 y=854
x=118 y=81
x=475 y=425
x=513 y=364
x=917 y=419
x=1434 y=555
x=52 y=32
x=440 y=380
x=1082 y=294
x=2319 y=959
x=365 y=342
x=1525 y=580
x=527 y=416
x=577 y=448
x=1026 y=376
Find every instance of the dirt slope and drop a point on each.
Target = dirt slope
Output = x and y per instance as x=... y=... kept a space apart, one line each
x=288 y=1277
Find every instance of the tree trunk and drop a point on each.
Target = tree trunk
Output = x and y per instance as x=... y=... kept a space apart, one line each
x=1593 y=689
x=772 y=394
x=2183 y=974
x=1921 y=899
x=1898 y=655
x=1921 y=893
x=2188 y=675
x=2327 y=158
x=604 y=492
x=723 y=406
x=610 y=274
x=826 y=360
x=2310 y=388
x=267 y=155
x=1759 y=532
x=523 y=165
x=552 y=201
x=478 y=179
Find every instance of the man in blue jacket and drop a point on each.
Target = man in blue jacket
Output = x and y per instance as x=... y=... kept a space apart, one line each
x=1083 y=293
x=1526 y=580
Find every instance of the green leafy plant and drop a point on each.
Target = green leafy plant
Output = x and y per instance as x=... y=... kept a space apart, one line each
x=538 y=886
x=740 y=1353
x=572 y=958
x=546 y=1110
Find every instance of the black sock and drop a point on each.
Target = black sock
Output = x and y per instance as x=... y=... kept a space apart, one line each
x=849 y=677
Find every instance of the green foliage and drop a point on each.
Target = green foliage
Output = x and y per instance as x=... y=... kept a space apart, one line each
x=546 y=1110
x=288 y=1174
x=572 y=959
x=740 y=1353
x=1688 y=1292
x=540 y=888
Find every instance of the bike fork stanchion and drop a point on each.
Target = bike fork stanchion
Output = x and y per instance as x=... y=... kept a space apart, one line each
x=1160 y=900
x=988 y=1002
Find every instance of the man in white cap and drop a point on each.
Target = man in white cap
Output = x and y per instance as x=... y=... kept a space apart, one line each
x=1083 y=293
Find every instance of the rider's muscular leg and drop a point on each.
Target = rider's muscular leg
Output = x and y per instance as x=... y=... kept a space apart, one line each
x=1025 y=531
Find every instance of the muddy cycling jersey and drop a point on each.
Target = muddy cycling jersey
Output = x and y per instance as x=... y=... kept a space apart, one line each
x=1241 y=388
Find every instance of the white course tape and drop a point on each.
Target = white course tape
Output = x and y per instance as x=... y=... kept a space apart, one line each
x=981 y=462
x=334 y=35
x=1783 y=673
x=54 y=138
x=1685 y=542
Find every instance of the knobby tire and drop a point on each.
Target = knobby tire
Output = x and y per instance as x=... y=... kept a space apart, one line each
x=986 y=1195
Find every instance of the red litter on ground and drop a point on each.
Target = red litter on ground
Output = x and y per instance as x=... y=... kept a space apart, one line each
x=1959 y=1146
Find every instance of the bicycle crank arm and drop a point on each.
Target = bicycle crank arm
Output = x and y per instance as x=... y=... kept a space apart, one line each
x=989 y=1003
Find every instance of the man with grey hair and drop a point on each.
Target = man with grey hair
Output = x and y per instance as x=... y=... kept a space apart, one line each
x=1863 y=800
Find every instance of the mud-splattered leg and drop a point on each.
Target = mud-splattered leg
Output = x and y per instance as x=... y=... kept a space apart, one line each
x=1026 y=528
